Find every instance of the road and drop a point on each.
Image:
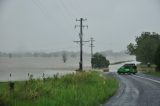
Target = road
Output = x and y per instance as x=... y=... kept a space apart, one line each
x=136 y=90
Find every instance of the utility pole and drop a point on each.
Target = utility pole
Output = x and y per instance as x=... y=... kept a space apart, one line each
x=81 y=41
x=92 y=45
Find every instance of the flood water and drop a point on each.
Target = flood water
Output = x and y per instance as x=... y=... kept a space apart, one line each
x=19 y=67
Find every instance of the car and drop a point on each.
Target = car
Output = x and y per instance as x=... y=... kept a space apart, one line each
x=127 y=69
x=105 y=69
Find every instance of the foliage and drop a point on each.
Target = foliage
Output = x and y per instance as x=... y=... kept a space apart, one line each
x=157 y=58
x=64 y=57
x=80 y=89
x=145 y=47
x=99 y=61
x=131 y=49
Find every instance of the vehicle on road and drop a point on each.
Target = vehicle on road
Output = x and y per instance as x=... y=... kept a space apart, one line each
x=105 y=69
x=127 y=69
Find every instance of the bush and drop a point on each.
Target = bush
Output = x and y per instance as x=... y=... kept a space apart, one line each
x=157 y=59
x=99 y=61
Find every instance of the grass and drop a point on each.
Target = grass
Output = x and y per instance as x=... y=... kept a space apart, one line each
x=80 y=89
x=153 y=73
x=149 y=70
x=145 y=68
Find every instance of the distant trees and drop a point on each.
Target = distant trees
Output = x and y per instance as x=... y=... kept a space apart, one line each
x=73 y=55
x=10 y=55
x=145 y=47
x=99 y=61
x=64 y=57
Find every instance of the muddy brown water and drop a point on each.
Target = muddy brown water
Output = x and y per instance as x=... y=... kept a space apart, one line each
x=19 y=67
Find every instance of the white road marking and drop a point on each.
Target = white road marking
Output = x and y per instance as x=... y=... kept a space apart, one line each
x=147 y=79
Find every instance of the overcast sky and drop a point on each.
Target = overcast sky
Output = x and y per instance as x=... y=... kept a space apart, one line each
x=48 y=25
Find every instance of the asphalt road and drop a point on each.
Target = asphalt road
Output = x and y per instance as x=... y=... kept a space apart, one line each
x=136 y=90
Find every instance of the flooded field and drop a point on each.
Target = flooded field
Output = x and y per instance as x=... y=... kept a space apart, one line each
x=19 y=67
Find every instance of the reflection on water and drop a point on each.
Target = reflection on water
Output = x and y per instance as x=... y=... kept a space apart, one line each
x=19 y=67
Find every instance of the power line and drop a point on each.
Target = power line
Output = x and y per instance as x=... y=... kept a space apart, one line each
x=47 y=14
x=66 y=8
x=41 y=8
x=81 y=41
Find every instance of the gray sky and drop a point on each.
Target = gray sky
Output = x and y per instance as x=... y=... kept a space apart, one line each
x=48 y=25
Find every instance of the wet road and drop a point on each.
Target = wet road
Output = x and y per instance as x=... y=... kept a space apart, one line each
x=136 y=90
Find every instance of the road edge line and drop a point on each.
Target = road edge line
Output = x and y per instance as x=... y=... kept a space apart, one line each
x=147 y=79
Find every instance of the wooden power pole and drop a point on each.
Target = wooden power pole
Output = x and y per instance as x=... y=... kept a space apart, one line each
x=81 y=41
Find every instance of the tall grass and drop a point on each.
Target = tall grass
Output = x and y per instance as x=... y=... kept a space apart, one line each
x=80 y=89
x=153 y=73
x=145 y=68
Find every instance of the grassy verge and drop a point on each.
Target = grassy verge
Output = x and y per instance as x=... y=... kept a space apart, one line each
x=153 y=73
x=80 y=89
x=145 y=68
x=148 y=70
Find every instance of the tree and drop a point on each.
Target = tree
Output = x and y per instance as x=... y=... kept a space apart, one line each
x=157 y=58
x=10 y=55
x=73 y=54
x=99 y=61
x=131 y=49
x=145 y=47
x=64 y=57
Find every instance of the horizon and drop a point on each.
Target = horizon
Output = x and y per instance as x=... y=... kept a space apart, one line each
x=69 y=51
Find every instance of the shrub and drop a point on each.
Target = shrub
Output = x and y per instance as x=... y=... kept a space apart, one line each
x=99 y=61
x=157 y=59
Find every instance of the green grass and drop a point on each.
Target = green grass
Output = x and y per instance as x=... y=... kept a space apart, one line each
x=153 y=73
x=145 y=68
x=80 y=89
x=149 y=70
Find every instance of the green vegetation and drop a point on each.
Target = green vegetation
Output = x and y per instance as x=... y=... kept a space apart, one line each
x=145 y=68
x=145 y=47
x=153 y=73
x=64 y=57
x=80 y=89
x=99 y=61
x=157 y=59
x=148 y=70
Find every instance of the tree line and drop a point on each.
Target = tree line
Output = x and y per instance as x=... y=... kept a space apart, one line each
x=146 y=48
